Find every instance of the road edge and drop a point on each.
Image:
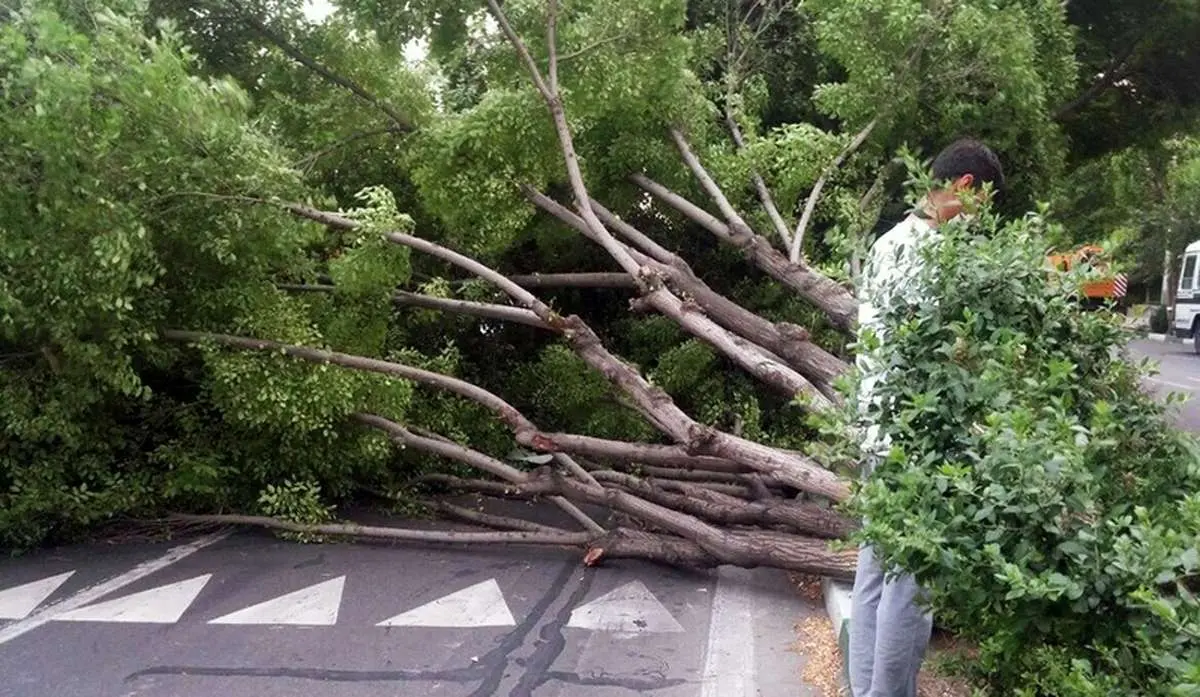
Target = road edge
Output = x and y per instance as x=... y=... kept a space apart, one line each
x=837 y=605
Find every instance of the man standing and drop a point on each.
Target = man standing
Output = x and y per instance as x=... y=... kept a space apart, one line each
x=889 y=629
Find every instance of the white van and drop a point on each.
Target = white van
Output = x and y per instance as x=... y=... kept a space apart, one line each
x=1187 y=295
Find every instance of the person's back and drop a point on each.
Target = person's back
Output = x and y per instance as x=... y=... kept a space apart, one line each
x=889 y=631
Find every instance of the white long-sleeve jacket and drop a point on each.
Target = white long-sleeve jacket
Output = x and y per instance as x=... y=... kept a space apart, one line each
x=891 y=273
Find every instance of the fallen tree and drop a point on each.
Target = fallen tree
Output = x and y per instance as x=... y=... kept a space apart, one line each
x=584 y=275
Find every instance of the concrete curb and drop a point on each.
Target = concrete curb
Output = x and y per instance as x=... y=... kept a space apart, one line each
x=837 y=606
x=1170 y=339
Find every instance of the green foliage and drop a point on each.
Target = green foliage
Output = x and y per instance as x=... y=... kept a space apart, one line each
x=298 y=502
x=1031 y=484
x=1158 y=319
x=124 y=214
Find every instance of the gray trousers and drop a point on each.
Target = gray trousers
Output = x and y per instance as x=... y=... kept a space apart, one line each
x=889 y=632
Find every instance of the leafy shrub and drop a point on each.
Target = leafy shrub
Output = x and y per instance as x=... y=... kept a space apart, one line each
x=1032 y=486
x=1158 y=319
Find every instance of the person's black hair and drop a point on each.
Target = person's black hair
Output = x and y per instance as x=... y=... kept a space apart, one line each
x=969 y=156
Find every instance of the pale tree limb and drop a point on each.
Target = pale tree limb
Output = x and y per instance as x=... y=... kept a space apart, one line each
x=504 y=313
x=451 y=450
x=796 y=254
x=571 y=539
x=575 y=280
x=828 y=295
x=710 y=186
x=760 y=184
x=490 y=520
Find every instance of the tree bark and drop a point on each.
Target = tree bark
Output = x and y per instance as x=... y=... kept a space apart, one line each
x=823 y=292
x=575 y=280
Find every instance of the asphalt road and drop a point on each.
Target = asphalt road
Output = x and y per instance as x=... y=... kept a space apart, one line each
x=251 y=616
x=1178 y=372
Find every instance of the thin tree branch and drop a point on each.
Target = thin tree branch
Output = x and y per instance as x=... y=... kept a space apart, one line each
x=447 y=448
x=575 y=280
x=709 y=184
x=572 y=539
x=552 y=44
x=796 y=254
x=352 y=138
x=325 y=73
x=760 y=184
x=493 y=521
x=495 y=311
x=504 y=313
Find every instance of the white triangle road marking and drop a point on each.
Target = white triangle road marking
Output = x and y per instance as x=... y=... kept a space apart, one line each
x=161 y=605
x=17 y=602
x=315 y=605
x=480 y=605
x=630 y=609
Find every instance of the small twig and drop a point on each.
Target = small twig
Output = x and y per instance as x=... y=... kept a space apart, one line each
x=590 y=47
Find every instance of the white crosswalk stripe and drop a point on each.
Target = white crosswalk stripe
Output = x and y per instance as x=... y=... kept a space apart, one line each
x=16 y=603
x=315 y=605
x=481 y=605
x=161 y=605
x=630 y=609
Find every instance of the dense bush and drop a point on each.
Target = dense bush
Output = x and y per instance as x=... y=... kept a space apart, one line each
x=1158 y=319
x=1032 y=485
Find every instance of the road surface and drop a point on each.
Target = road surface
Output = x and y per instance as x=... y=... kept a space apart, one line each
x=250 y=616
x=1179 y=372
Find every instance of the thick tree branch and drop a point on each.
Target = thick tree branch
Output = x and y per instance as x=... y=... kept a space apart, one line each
x=796 y=253
x=788 y=341
x=807 y=518
x=825 y=293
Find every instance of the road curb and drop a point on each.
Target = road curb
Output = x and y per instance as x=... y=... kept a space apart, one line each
x=837 y=606
x=1169 y=339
